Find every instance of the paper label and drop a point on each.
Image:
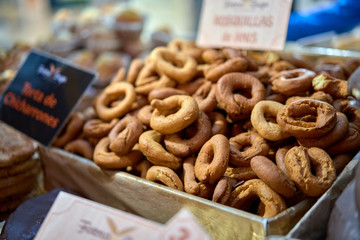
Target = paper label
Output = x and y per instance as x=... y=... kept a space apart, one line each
x=43 y=93
x=245 y=24
x=72 y=217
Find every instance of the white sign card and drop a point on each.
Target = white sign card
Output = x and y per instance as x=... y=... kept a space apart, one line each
x=245 y=24
x=73 y=217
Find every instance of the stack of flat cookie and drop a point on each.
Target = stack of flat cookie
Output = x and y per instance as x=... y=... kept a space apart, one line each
x=19 y=168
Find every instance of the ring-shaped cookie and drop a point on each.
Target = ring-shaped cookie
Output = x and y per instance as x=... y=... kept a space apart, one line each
x=237 y=105
x=144 y=115
x=336 y=134
x=352 y=113
x=110 y=160
x=165 y=175
x=135 y=67
x=268 y=130
x=162 y=93
x=328 y=84
x=350 y=142
x=98 y=128
x=272 y=202
x=267 y=171
x=319 y=95
x=205 y=97
x=71 y=130
x=173 y=114
x=258 y=146
x=192 y=86
x=238 y=64
x=111 y=93
x=191 y=185
x=218 y=123
x=240 y=173
x=150 y=145
x=291 y=82
x=183 y=146
x=177 y=65
x=213 y=159
x=292 y=118
x=300 y=161
x=223 y=190
x=80 y=147
x=124 y=135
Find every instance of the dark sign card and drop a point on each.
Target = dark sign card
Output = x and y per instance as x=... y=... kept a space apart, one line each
x=42 y=95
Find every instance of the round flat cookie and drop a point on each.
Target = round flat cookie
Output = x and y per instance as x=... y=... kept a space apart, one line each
x=19 y=167
x=14 y=146
x=25 y=187
x=19 y=178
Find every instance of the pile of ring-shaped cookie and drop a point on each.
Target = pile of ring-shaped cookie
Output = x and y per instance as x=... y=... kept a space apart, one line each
x=258 y=131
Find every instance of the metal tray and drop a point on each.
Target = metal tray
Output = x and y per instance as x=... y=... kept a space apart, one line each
x=159 y=203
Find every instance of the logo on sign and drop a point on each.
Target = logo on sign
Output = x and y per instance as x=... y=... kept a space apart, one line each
x=52 y=73
x=86 y=227
x=246 y=4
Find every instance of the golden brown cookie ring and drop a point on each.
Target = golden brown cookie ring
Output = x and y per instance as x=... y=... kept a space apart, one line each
x=80 y=147
x=240 y=173
x=353 y=113
x=71 y=130
x=268 y=130
x=155 y=83
x=110 y=160
x=140 y=101
x=124 y=135
x=238 y=64
x=291 y=82
x=192 y=186
x=177 y=65
x=330 y=85
x=213 y=159
x=200 y=132
x=280 y=159
x=205 y=97
x=97 y=128
x=212 y=55
x=166 y=176
x=135 y=67
x=292 y=118
x=192 y=86
x=144 y=115
x=142 y=167
x=258 y=146
x=267 y=171
x=272 y=202
x=336 y=134
x=188 y=47
x=111 y=93
x=119 y=76
x=320 y=95
x=219 y=123
x=150 y=145
x=236 y=105
x=223 y=190
x=350 y=142
x=173 y=114
x=162 y=93
x=300 y=161
x=340 y=161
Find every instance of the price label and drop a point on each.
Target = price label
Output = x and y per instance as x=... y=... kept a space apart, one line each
x=245 y=24
x=43 y=93
x=82 y=219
